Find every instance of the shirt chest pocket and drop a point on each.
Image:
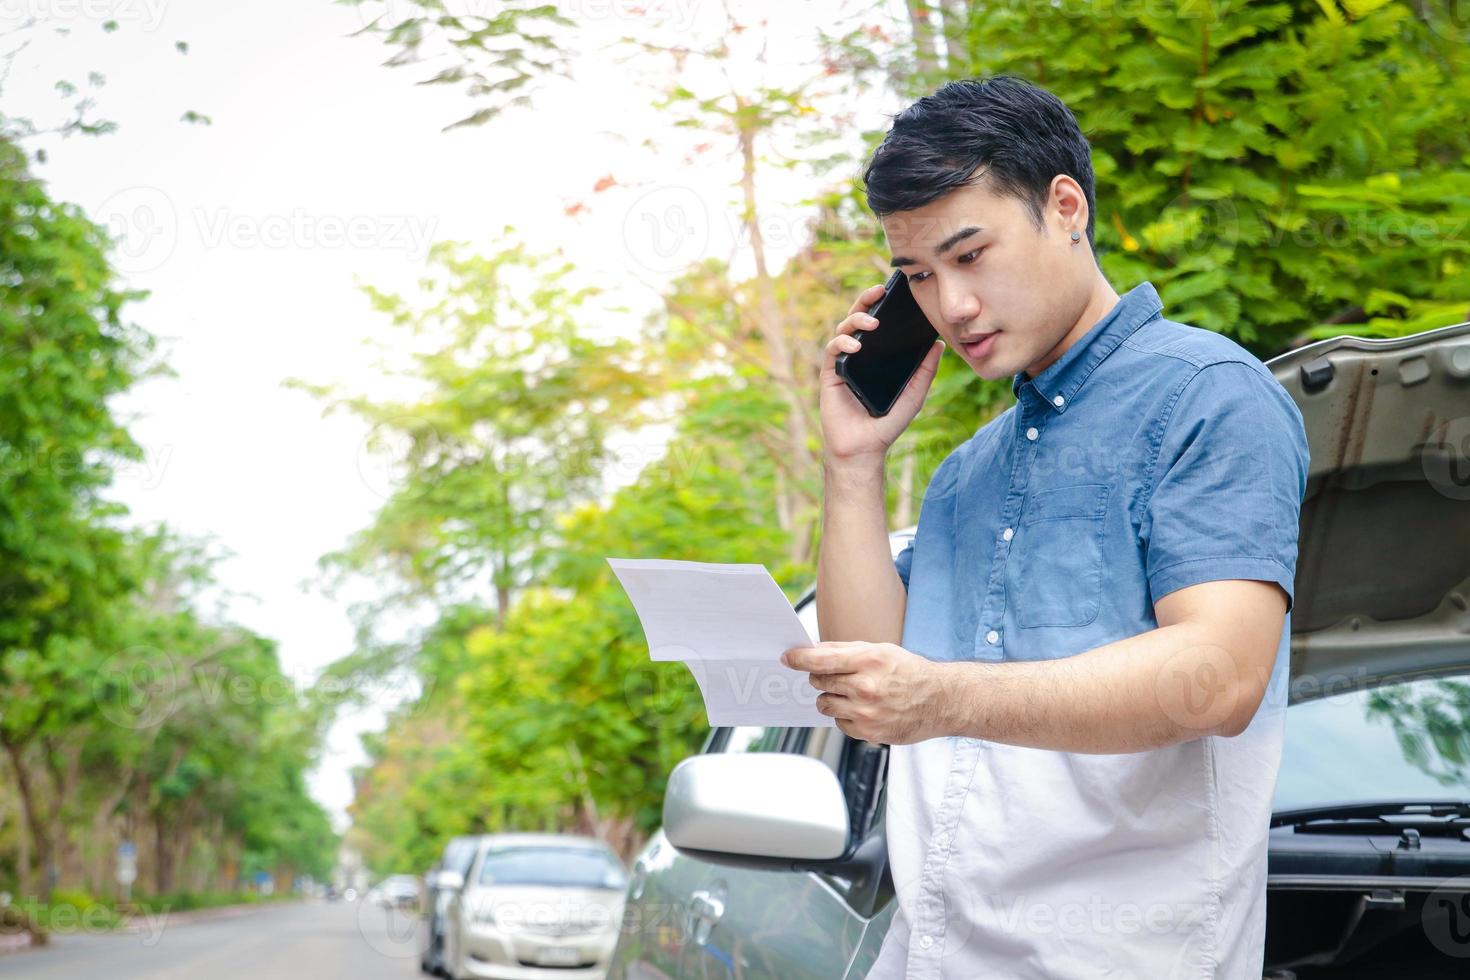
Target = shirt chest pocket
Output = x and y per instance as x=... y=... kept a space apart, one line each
x=1059 y=554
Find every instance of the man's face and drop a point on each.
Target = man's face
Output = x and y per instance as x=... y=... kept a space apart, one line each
x=1003 y=297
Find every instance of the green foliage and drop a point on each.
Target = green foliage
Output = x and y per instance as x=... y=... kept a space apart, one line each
x=48 y=25
x=64 y=351
x=71 y=910
x=514 y=400
x=74 y=911
x=1275 y=168
x=498 y=56
x=120 y=695
x=1431 y=723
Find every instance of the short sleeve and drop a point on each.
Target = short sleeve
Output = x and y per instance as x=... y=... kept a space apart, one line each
x=1227 y=483
x=904 y=562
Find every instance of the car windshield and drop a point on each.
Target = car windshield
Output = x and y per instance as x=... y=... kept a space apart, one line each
x=564 y=866
x=1408 y=740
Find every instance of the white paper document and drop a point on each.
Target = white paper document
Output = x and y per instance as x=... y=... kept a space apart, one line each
x=729 y=624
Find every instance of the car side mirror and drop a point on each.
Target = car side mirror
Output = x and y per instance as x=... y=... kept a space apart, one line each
x=775 y=806
x=449 y=881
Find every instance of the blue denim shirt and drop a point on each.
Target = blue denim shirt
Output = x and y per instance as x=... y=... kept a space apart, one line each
x=1150 y=456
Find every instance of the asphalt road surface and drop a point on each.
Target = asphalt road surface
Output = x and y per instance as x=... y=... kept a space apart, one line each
x=307 y=940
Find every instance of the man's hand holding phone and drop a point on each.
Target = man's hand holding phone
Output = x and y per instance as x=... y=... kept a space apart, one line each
x=849 y=431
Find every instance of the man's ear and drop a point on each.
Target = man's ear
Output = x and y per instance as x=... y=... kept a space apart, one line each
x=1069 y=202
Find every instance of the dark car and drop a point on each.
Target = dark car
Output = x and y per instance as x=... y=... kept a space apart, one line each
x=440 y=884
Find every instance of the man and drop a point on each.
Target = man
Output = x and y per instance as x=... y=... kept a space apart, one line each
x=1080 y=662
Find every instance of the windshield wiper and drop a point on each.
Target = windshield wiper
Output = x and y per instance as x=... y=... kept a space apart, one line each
x=1373 y=810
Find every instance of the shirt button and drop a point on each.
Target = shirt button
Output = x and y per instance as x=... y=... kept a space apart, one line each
x=992 y=637
x=927 y=941
x=1057 y=401
x=1031 y=433
x=1008 y=534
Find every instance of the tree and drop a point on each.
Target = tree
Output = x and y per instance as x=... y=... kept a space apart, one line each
x=64 y=351
x=111 y=712
x=1280 y=170
x=516 y=397
x=497 y=56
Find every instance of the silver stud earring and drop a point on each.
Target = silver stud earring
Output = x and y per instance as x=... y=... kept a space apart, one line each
x=1076 y=237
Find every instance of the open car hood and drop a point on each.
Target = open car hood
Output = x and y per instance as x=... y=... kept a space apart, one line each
x=1383 y=566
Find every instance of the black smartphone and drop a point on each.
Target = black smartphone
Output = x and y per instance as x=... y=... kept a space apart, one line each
x=892 y=351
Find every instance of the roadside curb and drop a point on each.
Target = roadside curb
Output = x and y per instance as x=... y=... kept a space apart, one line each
x=20 y=942
x=133 y=925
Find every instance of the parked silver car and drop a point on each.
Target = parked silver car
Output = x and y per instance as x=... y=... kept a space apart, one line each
x=533 y=906
x=772 y=862
x=396 y=891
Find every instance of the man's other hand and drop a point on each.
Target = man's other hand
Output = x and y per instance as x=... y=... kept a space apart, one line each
x=878 y=692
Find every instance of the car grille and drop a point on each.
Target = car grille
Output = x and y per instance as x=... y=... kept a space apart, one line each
x=569 y=966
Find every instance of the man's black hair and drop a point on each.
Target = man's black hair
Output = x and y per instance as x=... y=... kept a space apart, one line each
x=1020 y=132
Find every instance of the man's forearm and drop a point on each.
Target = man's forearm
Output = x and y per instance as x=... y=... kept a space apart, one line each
x=859 y=593
x=1167 y=685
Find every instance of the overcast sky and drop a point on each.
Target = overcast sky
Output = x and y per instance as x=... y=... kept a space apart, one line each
x=322 y=169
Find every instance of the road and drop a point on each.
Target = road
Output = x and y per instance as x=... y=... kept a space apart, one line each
x=309 y=941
